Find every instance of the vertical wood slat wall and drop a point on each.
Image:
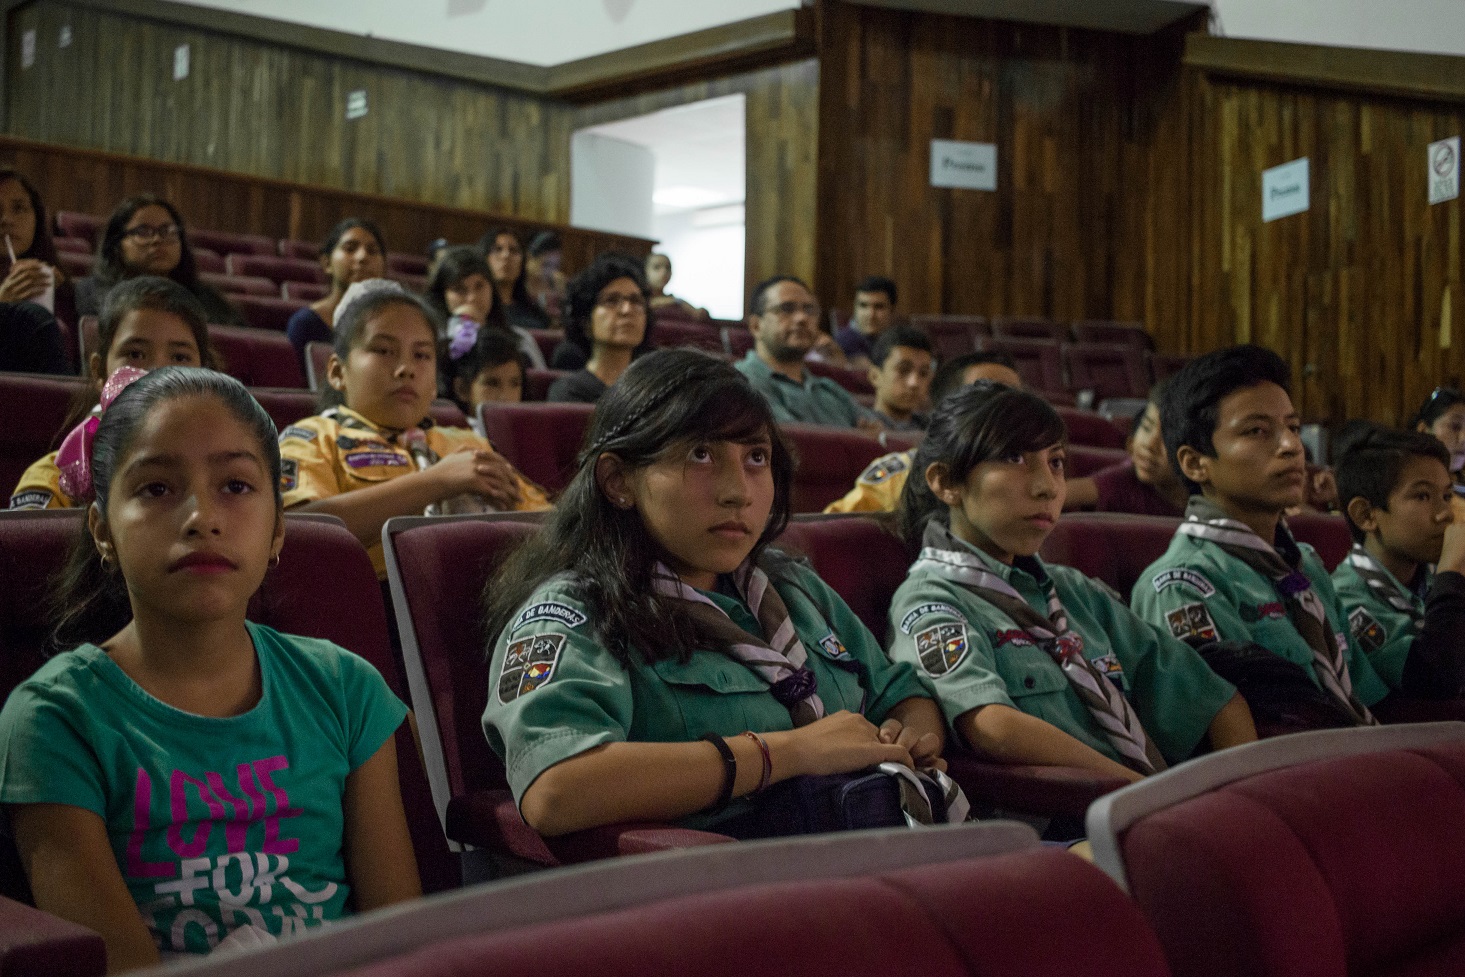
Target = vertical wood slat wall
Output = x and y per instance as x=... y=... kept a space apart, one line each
x=1129 y=185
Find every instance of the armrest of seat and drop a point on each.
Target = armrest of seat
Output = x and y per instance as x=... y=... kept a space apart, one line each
x=1050 y=791
x=490 y=819
x=36 y=944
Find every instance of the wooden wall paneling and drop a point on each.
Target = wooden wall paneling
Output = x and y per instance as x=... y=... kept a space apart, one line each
x=277 y=111
x=1074 y=114
x=93 y=182
x=782 y=144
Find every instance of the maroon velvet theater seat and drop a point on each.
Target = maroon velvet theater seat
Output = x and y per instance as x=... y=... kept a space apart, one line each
x=1112 y=547
x=207 y=260
x=304 y=291
x=991 y=917
x=829 y=459
x=547 y=339
x=541 y=440
x=412 y=283
x=275 y=268
x=1318 y=854
x=437 y=568
x=736 y=341
x=72 y=245
x=406 y=264
x=1163 y=366
x=299 y=250
x=264 y=312
x=1108 y=369
x=1083 y=460
x=1039 y=362
x=232 y=285
x=1029 y=327
x=34 y=408
x=76 y=264
x=672 y=332
x=296 y=598
x=855 y=381
x=257 y=357
x=226 y=243
x=1087 y=428
x=1108 y=331
x=538 y=382
x=952 y=335
x=75 y=224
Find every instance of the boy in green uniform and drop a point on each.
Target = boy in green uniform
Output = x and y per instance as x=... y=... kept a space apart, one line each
x=1407 y=616
x=1034 y=663
x=1233 y=572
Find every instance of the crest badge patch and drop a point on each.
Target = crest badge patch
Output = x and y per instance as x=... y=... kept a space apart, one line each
x=528 y=664
x=1367 y=631
x=1192 y=622
x=942 y=648
x=834 y=648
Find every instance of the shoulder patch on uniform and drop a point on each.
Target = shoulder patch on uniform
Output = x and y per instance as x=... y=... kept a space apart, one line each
x=921 y=610
x=1108 y=666
x=31 y=499
x=1367 y=631
x=289 y=474
x=833 y=647
x=881 y=469
x=376 y=458
x=1181 y=575
x=1192 y=622
x=528 y=664
x=942 y=648
x=550 y=610
x=297 y=433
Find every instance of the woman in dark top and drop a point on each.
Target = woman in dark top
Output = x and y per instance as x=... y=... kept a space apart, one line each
x=145 y=236
x=24 y=221
x=607 y=316
x=1145 y=485
x=504 y=253
x=353 y=252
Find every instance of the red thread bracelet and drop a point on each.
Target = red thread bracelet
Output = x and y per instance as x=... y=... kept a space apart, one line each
x=767 y=760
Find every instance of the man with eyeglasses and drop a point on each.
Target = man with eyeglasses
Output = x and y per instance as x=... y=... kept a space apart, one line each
x=785 y=324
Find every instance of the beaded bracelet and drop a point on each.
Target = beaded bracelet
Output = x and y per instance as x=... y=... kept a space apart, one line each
x=729 y=771
x=767 y=760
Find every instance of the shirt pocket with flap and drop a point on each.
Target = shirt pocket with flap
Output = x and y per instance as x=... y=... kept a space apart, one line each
x=709 y=693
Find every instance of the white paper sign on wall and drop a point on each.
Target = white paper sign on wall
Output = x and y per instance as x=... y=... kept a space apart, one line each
x=1444 y=170
x=64 y=38
x=28 y=48
x=356 y=104
x=1286 y=190
x=963 y=165
x=180 y=62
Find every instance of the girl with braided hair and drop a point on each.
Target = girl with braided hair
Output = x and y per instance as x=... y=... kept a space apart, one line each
x=650 y=657
x=1034 y=663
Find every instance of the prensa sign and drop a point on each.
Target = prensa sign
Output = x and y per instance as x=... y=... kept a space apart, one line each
x=963 y=165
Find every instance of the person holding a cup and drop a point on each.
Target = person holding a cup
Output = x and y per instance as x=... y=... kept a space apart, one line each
x=28 y=258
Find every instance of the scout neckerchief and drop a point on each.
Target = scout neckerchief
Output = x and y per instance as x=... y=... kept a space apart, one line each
x=1381 y=582
x=1281 y=565
x=415 y=441
x=943 y=555
x=779 y=660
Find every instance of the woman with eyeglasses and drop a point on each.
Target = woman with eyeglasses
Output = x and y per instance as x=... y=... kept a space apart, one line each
x=607 y=317
x=1443 y=415
x=146 y=236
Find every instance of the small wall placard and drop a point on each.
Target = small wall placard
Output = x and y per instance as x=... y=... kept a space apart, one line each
x=1444 y=170
x=1286 y=190
x=963 y=165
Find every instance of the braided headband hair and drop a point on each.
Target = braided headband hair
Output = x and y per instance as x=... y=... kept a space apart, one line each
x=691 y=375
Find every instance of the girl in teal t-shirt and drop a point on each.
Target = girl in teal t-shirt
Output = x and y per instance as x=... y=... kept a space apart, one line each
x=183 y=776
x=650 y=660
x=1034 y=663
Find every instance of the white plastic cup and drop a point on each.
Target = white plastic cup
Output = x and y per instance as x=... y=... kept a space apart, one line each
x=47 y=298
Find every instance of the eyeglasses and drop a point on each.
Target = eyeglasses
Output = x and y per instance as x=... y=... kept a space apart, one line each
x=147 y=232
x=787 y=310
x=613 y=302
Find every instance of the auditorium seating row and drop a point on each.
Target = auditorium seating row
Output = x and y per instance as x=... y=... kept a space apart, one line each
x=1242 y=862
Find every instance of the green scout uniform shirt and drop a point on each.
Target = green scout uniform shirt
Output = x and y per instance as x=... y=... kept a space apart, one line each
x=818 y=400
x=1383 y=631
x=555 y=692
x=1198 y=590
x=970 y=654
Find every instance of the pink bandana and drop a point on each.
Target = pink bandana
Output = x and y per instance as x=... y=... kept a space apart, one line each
x=75 y=456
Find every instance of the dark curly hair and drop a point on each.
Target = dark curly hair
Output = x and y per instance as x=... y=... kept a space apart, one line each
x=584 y=289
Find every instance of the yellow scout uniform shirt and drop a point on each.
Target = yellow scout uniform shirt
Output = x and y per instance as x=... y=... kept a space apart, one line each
x=879 y=486
x=40 y=487
x=341 y=451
